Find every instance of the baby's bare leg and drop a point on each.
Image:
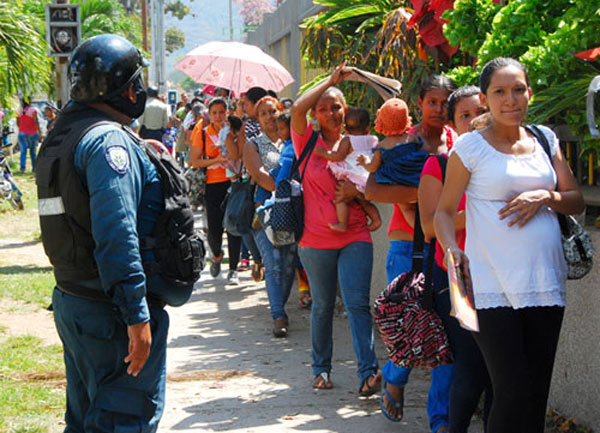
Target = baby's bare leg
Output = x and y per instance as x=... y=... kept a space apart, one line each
x=342 y=211
x=373 y=214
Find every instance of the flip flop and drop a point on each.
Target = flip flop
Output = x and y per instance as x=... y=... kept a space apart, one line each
x=322 y=381
x=397 y=404
x=371 y=389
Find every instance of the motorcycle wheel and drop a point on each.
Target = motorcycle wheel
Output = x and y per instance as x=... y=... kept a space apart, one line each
x=17 y=203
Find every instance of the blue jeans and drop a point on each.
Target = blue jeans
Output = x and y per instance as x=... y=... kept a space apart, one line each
x=101 y=396
x=399 y=260
x=280 y=271
x=251 y=247
x=26 y=142
x=352 y=265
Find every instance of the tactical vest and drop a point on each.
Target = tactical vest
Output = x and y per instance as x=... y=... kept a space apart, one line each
x=63 y=202
x=65 y=212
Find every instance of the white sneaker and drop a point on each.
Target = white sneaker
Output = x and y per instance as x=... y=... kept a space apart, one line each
x=232 y=277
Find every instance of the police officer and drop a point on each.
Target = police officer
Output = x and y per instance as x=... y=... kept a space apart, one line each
x=99 y=195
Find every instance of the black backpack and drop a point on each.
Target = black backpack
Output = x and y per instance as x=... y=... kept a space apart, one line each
x=178 y=248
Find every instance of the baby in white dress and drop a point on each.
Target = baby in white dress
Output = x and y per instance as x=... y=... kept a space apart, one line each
x=343 y=165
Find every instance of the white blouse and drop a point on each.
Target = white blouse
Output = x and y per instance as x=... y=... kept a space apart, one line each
x=511 y=266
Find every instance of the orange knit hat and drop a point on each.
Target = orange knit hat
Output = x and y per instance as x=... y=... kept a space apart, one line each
x=393 y=117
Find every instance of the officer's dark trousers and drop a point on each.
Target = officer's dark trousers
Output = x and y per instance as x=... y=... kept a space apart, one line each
x=215 y=212
x=101 y=396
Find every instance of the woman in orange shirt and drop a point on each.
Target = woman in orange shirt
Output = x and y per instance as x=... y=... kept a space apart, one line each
x=206 y=153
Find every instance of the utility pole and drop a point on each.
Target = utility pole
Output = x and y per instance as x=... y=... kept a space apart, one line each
x=145 y=33
x=157 y=67
x=230 y=20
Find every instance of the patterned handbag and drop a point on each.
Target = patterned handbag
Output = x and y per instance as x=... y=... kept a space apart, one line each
x=412 y=332
x=578 y=247
x=287 y=214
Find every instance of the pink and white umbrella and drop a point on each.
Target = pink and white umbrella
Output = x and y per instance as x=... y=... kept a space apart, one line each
x=235 y=66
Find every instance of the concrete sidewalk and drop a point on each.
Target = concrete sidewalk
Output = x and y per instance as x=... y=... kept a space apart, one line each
x=227 y=373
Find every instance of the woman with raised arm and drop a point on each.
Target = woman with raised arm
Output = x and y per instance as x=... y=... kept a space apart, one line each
x=327 y=256
x=515 y=258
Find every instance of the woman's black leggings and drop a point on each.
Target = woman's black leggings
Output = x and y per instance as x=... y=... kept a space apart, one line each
x=470 y=378
x=215 y=211
x=519 y=348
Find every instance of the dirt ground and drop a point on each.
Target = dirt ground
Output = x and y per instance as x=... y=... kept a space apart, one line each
x=226 y=372
x=20 y=318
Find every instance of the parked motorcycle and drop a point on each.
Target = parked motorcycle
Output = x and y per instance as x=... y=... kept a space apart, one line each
x=8 y=188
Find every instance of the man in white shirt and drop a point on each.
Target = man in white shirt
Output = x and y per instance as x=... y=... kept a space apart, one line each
x=155 y=118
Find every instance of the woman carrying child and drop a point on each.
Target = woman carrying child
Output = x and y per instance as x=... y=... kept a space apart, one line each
x=436 y=138
x=326 y=255
x=261 y=155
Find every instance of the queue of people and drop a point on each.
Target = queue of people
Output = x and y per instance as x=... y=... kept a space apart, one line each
x=471 y=208
x=481 y=185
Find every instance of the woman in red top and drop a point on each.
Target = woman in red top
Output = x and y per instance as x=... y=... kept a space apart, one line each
x=327 y=256
x=29 y=133
x=438 y=138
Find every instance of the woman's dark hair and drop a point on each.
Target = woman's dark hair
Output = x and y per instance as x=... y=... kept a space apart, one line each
x=216 y=101
x=254 y=94
x=272 y=93
x=485 y=78
x=286 y=117
x=436 y=82
x=457 y=95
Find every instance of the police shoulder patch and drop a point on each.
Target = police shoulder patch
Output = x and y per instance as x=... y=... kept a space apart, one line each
x=117 y=157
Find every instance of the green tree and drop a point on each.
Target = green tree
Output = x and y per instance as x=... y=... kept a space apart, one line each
x=177 y=8
x=174 y=39
x=376 y=35
x=24 y=65
x=544 y=43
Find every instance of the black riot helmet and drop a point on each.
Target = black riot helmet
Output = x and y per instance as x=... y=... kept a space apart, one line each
x=102 y=67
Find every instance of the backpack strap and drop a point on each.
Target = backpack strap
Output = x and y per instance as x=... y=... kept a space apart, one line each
x=443 y=161
x=419 y=247
x=543 y=140
x=305 y=155
x=418 y=259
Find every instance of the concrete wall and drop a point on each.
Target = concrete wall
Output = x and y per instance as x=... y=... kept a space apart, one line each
x=576 y=383
x=280 y=36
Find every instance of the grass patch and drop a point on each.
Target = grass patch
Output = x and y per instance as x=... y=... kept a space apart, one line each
x=21 y=224
x=28 y=283
x=32 y=386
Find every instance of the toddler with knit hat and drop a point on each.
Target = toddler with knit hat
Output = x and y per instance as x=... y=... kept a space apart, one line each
x=343 y=165
x=399 y=158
